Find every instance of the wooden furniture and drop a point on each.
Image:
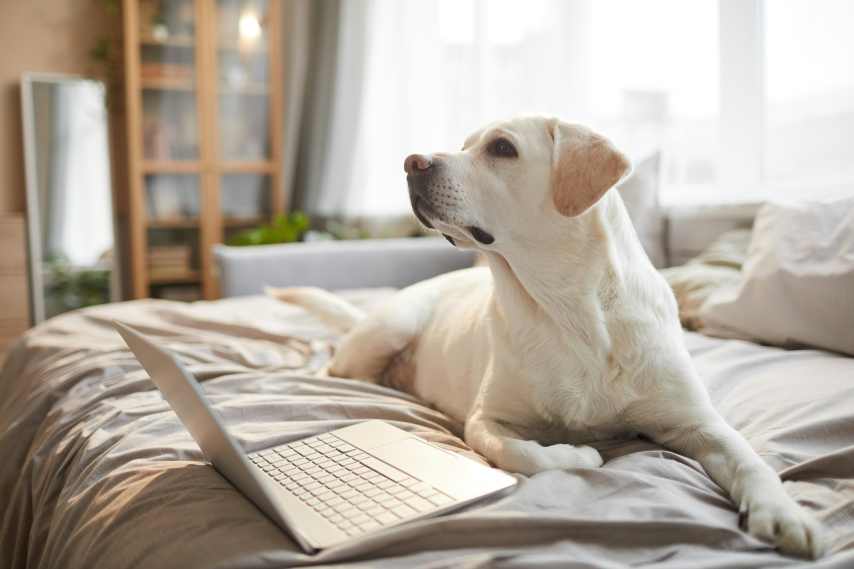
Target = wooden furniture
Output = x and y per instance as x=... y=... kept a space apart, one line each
x=204 y=102
x=14 y=302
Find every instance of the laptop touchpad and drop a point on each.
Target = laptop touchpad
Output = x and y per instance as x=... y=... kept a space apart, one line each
x=453 y=474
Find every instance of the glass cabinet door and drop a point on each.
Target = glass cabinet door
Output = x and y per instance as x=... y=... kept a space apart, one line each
x=243 y=43
x=243 y=80
x=168 y=79
x=171 y=153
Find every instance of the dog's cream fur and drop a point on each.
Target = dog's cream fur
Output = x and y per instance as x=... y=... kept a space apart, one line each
x=569 y=336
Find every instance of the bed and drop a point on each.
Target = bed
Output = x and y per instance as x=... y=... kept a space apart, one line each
x=98 y=472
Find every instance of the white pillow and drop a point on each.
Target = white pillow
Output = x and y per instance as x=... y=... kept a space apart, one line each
x=640 y=194
x=798 y=281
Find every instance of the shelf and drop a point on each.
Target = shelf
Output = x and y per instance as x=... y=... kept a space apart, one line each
x=169 y=276
x=247 y=167
x=244 y=221
x=171 y=167
x=173 y=222
x=174 y=41
x=167 y=83
x=258 y=49
x=252 y=89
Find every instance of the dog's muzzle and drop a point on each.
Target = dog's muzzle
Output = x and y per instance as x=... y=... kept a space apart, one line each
x=419 y=170
x=421 y=177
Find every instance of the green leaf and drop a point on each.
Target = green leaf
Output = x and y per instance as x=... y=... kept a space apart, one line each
x=283 y=229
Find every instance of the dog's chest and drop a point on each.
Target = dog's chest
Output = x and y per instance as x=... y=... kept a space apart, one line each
x=582 y=396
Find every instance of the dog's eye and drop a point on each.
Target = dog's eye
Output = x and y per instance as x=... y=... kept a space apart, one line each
x=503 y=148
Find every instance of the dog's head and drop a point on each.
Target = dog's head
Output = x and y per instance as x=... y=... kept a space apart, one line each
x=511 y=179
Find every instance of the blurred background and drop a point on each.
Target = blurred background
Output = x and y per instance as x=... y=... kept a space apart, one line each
x=141 y=134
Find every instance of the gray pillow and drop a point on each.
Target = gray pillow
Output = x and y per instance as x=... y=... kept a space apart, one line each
x=640 y=194
x=797 y=285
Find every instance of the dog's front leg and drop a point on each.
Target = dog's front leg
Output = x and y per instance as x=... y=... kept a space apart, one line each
x=507 y=448
x=772 y=515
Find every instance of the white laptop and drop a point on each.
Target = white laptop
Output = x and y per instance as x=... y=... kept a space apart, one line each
x=332 y=488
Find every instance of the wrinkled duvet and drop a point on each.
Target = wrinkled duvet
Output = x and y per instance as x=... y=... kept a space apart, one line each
x=96 y=471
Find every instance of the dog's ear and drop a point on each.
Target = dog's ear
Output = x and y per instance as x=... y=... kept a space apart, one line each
x=585 y=165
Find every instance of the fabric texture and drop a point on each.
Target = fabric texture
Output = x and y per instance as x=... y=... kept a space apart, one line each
x=798 y=280
x=716 y=267
x=98 y=471
x=640 y=194
x=336 y=265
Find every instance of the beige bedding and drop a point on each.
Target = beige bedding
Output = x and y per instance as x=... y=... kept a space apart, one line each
x=98 y=472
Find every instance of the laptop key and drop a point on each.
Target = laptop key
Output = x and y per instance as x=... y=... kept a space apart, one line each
x=403 y=511
x=370 y=525
x=421 y=504
x=360 y=501
x=440 y=500
x=324 y=495
x=421 y=487
x=386 y=518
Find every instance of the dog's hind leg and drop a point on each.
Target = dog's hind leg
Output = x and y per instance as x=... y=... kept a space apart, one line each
x=368 y=349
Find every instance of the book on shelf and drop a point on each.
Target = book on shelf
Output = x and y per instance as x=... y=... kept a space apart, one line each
x=181 y=293
x=160 y=70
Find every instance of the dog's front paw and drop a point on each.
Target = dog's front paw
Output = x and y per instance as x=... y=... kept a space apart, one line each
x=530 y=457
x=779 y=520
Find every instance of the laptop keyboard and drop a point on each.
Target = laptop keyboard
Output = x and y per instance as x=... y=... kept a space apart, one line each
x=350 y=488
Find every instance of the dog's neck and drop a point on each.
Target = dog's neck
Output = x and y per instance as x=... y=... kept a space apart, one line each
x=576 y=287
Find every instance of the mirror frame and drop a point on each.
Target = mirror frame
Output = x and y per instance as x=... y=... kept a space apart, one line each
x=34 y=244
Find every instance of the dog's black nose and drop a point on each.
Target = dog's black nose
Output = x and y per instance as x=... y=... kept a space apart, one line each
x=417 y=164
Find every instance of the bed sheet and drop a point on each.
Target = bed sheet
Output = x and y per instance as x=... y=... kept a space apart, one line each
x=98 y=472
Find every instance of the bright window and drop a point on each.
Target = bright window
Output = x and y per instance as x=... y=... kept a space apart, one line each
x=741 y=96
x=809 y=91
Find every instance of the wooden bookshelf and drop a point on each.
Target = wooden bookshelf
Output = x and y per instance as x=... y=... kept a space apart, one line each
x=204 y=103
x=171 y=166
x=174 y=277
x=174 y=222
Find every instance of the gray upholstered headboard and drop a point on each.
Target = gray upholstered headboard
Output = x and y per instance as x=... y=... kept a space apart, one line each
x=337 y=265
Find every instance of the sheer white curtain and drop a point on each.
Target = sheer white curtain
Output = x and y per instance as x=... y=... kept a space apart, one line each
x=682 y=77
x=738 y=95
x=435 y=70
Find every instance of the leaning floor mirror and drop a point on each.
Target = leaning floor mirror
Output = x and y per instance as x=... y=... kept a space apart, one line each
x=70 y=217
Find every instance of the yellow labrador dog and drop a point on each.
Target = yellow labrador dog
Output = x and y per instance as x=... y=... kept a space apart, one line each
x=569 y=336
